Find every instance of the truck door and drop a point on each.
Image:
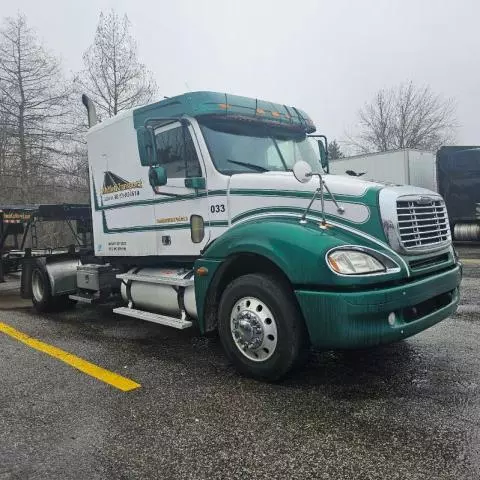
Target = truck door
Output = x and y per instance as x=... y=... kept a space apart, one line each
x=181 y=205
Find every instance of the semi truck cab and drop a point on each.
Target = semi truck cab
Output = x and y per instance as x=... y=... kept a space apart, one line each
x=216 y=211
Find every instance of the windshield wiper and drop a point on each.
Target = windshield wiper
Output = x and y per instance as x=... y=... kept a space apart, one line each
x=279 y=153
x=258 y=168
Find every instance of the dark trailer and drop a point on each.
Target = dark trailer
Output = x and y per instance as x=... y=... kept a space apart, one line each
x=18 y=227
x=458 y=176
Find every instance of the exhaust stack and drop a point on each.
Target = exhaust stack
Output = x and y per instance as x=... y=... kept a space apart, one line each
x=92 y=113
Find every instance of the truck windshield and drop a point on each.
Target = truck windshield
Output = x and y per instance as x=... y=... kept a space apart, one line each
x=236 y=147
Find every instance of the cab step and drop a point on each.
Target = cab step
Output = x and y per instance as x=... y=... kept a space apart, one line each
x=82 y=298
x=176 y=280
x=153 y=317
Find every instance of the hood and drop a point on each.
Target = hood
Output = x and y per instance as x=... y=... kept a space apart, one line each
x=279 y=193
x=366 y=205
x=343 y=187
x=339 y=185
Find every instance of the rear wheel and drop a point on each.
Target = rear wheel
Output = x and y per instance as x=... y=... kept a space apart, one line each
x=41 y=290
x=261 y=328
x=42 y=298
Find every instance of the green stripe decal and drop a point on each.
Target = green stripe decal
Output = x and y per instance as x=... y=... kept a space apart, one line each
x=296 y=194
x=149 y=228
x=154 y=201
x=297 y=210
x=244 y=192
x=271 y=210
x=248 y=215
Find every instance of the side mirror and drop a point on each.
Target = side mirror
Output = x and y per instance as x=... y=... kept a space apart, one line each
x=323 y=155
x=157 y=176
x=145 y=147
x=302 y=171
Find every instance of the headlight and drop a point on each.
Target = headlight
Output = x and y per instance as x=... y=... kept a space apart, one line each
x=354 y=262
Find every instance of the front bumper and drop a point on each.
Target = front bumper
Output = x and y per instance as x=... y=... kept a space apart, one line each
x=360 y=319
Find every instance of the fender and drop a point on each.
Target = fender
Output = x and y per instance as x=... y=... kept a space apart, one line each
x=63 y=275
x=298 y=250
x=61 y=271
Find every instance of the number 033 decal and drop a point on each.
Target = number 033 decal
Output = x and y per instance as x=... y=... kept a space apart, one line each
x=217 y=208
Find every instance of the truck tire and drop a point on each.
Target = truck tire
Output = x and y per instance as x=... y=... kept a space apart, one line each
x=42 y=298
x=261 y=328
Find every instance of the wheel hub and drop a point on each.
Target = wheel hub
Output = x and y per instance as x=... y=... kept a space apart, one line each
x=254 y=329
x=248 y=329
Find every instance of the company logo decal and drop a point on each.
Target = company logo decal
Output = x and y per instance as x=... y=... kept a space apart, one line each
x=172 y=219
x=425 y=201
x=116 y=187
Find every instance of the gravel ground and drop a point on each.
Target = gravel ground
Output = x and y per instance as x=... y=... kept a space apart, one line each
x=406 y=411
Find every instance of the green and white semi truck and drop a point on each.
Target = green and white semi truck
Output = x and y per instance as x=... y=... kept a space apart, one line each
x=215 y=211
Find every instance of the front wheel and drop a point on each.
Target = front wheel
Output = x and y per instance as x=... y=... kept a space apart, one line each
x=261 y=328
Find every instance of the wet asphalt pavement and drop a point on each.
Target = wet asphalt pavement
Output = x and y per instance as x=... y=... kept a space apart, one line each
x=405 y=411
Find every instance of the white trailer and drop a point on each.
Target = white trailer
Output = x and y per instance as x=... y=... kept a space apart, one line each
x=400 y=167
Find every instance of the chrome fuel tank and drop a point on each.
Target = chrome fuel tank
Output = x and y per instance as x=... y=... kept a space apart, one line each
x=159 y=296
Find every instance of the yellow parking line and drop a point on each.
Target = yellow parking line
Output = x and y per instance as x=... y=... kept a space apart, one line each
x=95 y=371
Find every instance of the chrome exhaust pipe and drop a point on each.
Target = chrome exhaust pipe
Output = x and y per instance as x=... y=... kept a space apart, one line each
x=91 y=111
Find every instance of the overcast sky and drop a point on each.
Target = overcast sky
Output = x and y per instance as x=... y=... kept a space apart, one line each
x=327 y=57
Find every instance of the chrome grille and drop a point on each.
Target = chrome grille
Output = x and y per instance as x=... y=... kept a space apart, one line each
x=422 y=223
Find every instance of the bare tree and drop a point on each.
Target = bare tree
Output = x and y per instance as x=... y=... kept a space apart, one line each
x=34 y=106
x=113 y=76
x=5 y=138
x=405 y=117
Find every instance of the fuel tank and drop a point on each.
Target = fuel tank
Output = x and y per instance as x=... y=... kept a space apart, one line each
x=159 y=296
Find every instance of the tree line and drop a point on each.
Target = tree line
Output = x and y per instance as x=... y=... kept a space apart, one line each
x=42 y=122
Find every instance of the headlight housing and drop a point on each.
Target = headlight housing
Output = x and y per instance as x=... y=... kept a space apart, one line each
x=354 y=262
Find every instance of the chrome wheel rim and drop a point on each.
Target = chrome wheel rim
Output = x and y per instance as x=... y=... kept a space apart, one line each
x=37 y=286
x=254 y=329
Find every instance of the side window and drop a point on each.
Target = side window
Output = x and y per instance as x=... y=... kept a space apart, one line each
x=176 y=153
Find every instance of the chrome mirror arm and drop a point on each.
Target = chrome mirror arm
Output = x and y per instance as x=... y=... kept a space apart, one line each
x=320 y=190
x=303 y=219
x=340 y=209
